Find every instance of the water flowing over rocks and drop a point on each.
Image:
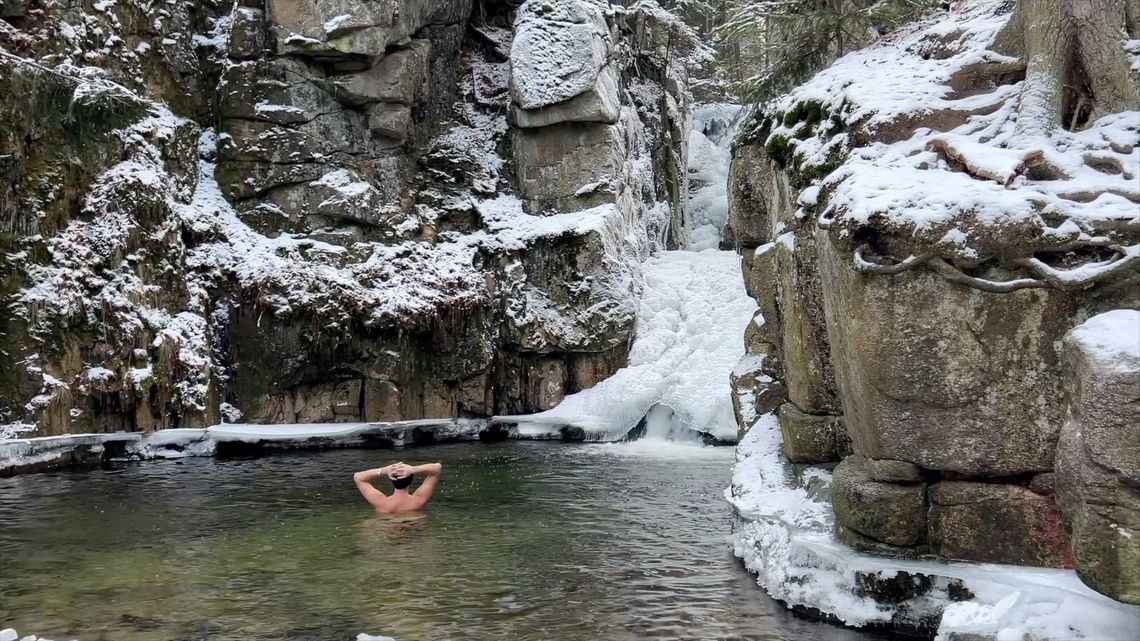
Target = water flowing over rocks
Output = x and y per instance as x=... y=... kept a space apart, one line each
x=319 y=211
x=950 y=332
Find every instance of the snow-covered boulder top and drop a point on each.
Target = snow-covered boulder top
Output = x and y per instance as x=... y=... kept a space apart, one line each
x=916 y=137
x=1111 y=338
x=560 y=47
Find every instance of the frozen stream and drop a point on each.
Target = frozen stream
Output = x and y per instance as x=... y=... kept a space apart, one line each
x=526 y=541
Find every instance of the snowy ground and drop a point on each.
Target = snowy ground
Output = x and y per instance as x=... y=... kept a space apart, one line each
x=689 y=336
x=784 y=535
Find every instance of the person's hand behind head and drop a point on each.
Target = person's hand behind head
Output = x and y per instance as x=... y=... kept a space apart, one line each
x=399 y=470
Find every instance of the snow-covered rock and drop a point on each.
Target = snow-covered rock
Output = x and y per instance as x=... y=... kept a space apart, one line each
x=783 y=533
x=559 y=50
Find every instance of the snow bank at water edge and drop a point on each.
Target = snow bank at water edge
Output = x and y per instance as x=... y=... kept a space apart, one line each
x=689 y=336
x=783 y=533
x=51 y=452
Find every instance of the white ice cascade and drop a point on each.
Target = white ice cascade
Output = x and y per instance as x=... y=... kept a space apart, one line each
x=690 y=325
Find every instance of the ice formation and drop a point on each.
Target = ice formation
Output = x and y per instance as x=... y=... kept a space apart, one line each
x=690 y=325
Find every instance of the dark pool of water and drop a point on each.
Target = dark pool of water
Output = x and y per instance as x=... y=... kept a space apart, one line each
x=523 y=541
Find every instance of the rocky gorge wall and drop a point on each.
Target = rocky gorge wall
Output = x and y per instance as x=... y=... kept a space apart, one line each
x=313 y=211
x=934 y=296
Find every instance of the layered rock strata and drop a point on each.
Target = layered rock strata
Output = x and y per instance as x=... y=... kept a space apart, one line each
x=312 y=211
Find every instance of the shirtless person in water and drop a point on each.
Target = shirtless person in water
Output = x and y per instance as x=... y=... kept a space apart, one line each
x=401 y=476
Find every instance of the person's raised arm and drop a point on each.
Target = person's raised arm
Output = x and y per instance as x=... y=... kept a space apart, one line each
x=363 y=480
x=427 y=488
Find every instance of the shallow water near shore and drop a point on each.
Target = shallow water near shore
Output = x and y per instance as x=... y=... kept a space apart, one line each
x=523 y=541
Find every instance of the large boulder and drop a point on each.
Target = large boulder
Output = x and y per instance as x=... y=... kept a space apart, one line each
x=600 y=103
x=889 y=513
x=808 y=438
x=569 y=166
x=1098 y=456
x=944 y=376
x=558 y=52
x=965 y=516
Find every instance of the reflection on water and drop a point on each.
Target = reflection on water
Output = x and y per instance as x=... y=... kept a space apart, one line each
x=523 y=541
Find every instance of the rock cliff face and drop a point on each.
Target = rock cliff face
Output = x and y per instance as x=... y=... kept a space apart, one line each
x=312 y=210
x=920 y=271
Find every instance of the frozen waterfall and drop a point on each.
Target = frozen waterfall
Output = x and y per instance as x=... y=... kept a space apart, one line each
x=690 y=325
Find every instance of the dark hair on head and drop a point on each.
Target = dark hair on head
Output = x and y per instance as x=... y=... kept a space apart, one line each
x=403 y=482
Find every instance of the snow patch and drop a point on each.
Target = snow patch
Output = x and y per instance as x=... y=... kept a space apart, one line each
x=1113 y=338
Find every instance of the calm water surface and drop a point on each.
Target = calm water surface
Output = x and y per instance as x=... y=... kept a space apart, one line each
x=524 y=541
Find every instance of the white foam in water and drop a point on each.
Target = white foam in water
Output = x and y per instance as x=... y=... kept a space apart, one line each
x=689 y=336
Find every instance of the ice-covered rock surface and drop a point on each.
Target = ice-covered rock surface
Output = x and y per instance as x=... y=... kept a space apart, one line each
x=713 y=127
x=690 y=323
x=783 y=533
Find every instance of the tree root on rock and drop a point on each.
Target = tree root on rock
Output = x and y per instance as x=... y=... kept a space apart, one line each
x=1126 y=259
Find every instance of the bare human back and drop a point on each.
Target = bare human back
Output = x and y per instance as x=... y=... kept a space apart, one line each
x=401 y=475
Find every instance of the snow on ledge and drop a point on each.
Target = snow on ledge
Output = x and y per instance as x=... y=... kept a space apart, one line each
x=181 y=442
x=1112 y=338
x=784 y=535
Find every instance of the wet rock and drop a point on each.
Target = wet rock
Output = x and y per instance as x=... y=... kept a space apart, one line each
x=890 y=513
x=964 y=517
x=761 y=278
x=806 y=351
x=341 y=31
x=547 y=378
x=381 y=401
x=1098 y=456
x=754 y=390
x=1044 y=483
x=401 y=77
x=759 y=196
x=390 y=120
x=569 y=166
x=808 y=438
x=247 y=33
x=924 y=365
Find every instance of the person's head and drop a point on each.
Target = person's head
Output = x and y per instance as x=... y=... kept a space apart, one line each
x=402 y=482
